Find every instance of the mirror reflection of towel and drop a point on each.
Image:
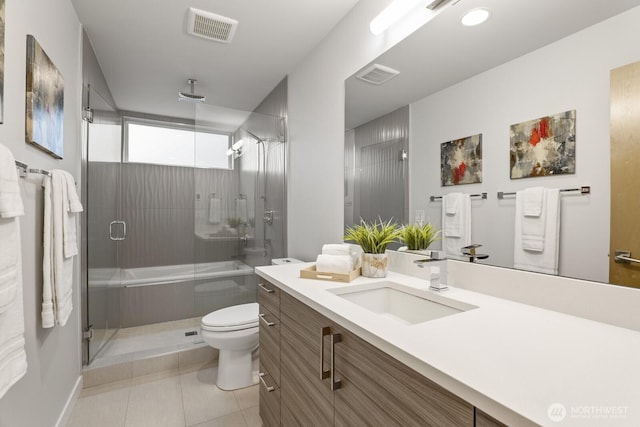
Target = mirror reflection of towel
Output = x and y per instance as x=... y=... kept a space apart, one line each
x=537 y=239
x=456 y=222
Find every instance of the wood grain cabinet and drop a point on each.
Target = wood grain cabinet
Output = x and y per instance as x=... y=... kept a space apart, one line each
x=269 y=341
x=329 y=376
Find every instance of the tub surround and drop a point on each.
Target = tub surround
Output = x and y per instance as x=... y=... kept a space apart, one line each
x=510 y=360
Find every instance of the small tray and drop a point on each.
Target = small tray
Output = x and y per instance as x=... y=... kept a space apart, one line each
x=311 y=273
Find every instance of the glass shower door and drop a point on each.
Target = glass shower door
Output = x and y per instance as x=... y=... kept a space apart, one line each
x=104 y=230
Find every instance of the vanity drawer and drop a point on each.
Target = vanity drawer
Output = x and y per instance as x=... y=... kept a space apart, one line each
x=270 y=343
x=269 y=296
x=485 y=420
x=269 y=399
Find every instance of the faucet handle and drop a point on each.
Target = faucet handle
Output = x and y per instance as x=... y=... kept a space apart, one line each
x=470 y=249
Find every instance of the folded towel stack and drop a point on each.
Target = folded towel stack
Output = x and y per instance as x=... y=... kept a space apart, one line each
x=13 y=358
x=339 y=258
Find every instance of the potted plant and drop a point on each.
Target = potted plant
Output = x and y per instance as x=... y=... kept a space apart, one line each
x=373 y=238
x=418 y=237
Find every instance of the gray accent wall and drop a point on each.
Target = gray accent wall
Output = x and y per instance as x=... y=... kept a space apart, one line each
x=45 y=395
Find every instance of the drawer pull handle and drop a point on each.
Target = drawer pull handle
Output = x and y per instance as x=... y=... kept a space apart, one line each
x=264 y=320
x=324 y=331
x=335 y=384
x=264 y=383
x=264 y=288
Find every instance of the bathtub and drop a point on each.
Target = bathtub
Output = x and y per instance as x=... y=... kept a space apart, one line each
x=164 y=293
x=162 y=275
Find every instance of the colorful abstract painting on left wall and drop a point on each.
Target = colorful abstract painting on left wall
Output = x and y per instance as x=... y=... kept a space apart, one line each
x=544 y=146
x=461 y=161
x=44 y=101
x=2 y=3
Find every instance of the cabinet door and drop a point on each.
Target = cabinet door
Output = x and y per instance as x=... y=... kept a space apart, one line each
x=307 y=399
x=485 y=420
x=269 y=400
x=379 y=390
x=270 y=343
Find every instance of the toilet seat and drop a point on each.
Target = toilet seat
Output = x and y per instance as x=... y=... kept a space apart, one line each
x=235 y=318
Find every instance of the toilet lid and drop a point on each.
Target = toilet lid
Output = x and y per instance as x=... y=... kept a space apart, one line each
x=235 y=317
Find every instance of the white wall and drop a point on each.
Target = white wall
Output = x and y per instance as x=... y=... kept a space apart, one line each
x=315 y=175
x=571 y=74
x=53 y=355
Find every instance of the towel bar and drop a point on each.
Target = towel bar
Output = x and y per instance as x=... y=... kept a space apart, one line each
x=582 y=190
x=481 y=195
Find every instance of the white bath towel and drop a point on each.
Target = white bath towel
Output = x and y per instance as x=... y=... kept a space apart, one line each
x=71 y=207
x=11 y=207
x=241 y=210
x=13 y=358
x=537 y=239
x=10 y=199
x=57 y=280
x=342 y=264
x=456 y=226
x=214 y=210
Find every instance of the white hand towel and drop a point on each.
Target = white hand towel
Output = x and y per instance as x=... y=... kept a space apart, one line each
x=453 y=218
x=241 y=210
x=13 y=358
x=456 y=228
x=342 y=264
x=214 y=210
x=546 y=260
x=57 y=280
x=533 y=201
x=71 y=206
x=10 y=199
x=533 y=218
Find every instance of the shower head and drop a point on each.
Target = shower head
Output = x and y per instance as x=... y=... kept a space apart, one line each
x=191 y=96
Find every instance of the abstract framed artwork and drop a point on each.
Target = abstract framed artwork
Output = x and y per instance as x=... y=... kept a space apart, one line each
x=461 y=161
x=2 y=17
x=544 y=146
x=44 y=101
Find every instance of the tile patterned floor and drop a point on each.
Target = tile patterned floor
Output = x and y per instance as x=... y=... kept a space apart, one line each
x=185 y=398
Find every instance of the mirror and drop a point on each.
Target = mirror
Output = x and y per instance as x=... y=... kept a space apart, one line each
x=458 y=82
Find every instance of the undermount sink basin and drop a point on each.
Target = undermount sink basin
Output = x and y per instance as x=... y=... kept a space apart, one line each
x=401 y=303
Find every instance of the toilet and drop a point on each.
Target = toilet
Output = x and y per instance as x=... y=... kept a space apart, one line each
x=234 y=332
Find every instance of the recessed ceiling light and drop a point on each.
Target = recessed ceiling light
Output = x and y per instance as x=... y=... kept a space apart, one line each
x=475 y=17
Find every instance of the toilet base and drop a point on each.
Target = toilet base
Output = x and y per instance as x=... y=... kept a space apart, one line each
x=235 y=370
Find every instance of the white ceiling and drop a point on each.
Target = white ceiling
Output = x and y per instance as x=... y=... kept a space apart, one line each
x=443 y=52
x=147 y=56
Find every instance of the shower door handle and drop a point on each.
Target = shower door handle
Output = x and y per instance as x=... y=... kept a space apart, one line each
x=124 y=230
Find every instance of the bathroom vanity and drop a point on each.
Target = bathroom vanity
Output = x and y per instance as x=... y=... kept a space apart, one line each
x=391 y=352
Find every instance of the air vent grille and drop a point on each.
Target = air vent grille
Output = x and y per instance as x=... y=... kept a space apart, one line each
x=211 y=26
x=377 y=74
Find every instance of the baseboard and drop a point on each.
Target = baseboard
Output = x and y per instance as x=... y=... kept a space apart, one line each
x=64 y=417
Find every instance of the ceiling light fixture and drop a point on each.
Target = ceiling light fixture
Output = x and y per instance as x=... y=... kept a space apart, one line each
x=475 y=17
x=392 y=14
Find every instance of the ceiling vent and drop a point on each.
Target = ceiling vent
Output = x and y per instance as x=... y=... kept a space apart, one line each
x=377 y=74
x=211 y=26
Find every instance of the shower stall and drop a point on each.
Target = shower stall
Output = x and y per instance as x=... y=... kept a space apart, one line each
x=178 y=212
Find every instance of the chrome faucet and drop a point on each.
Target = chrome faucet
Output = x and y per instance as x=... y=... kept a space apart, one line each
x=470 y=251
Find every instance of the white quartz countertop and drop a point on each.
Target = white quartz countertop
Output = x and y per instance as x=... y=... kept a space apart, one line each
x=521 y=364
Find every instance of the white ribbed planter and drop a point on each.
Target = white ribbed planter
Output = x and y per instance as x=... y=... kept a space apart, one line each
x=374 y=265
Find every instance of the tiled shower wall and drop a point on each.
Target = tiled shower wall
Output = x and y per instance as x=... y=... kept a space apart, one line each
x=159 y=205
